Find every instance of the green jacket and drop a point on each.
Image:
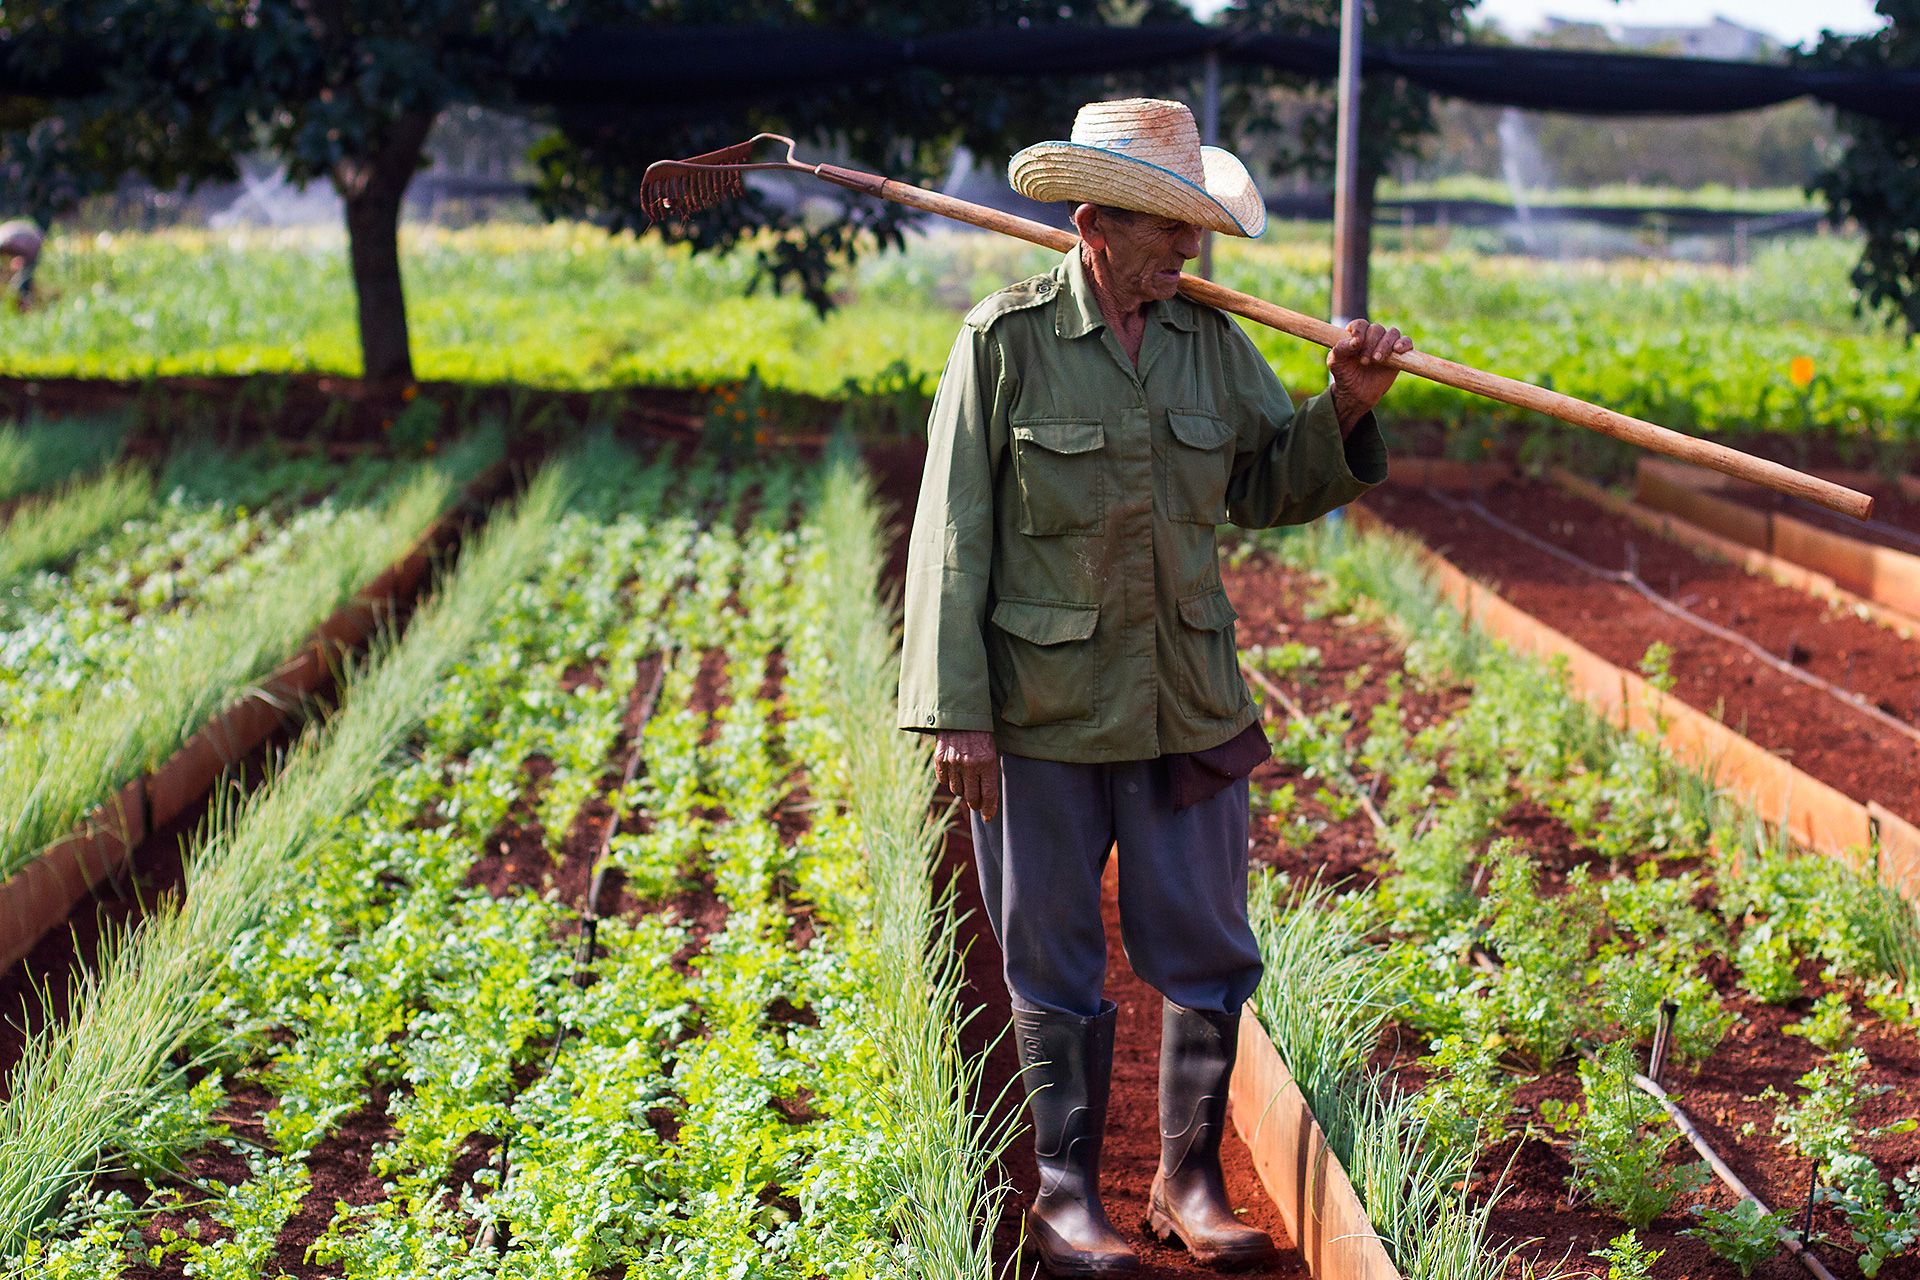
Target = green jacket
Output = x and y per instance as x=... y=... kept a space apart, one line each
x=1063 y=589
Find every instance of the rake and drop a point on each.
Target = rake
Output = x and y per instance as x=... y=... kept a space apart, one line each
x=678 y=189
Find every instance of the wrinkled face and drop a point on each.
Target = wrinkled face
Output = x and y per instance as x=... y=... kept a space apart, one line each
x=1144 y=253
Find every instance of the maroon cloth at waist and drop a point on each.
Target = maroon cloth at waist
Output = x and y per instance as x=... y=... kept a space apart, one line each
x=1194 y=776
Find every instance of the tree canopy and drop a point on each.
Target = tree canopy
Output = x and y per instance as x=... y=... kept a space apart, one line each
x=346 y=91
x=1875 y=179
x=341 y=90
x=905 y=126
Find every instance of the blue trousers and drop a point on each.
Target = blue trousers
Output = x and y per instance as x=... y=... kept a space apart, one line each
x=1183 y=885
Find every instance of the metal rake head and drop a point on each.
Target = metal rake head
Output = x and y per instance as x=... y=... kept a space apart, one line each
x=681 y=188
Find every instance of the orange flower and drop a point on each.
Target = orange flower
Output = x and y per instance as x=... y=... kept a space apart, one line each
x=430 y=444
x=1800 y=371
x=410 y=393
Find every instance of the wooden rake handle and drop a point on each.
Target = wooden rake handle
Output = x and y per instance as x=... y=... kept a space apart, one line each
x=1580 y=413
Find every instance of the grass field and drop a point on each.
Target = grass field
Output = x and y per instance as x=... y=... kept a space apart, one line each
x=1774 y=345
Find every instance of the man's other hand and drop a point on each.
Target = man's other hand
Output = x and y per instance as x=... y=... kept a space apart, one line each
x=968 y=764
x=1360 y=376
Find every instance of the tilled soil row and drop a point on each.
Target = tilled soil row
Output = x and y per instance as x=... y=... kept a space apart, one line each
x=1818 y=733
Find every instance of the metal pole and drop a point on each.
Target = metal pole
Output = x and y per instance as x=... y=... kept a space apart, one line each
x=1348 y=268
x=1209 y=136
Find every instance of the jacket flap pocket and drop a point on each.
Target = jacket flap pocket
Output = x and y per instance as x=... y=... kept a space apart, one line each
x=1198 y=430
x=1208 y=612
x=1046 y=623
x=1062 y=435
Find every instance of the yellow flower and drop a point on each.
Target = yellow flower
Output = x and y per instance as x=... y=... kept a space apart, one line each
x=1800 y=371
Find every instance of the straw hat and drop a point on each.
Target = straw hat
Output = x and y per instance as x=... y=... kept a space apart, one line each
x=1143 y=154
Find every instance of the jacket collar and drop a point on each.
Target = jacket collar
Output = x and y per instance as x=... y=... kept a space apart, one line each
x=1077 y=311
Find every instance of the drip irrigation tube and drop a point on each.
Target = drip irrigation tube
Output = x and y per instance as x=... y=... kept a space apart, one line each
x=1294 y=710
x=1485 y=960
x=585 y=948
x=1628 y=578
x=586 y=943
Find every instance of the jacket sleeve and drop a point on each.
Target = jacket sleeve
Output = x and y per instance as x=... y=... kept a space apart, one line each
x=1292 y=465
x=943 y=652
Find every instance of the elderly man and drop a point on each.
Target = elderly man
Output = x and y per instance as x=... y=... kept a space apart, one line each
x=1069 y=641
x=20 y=243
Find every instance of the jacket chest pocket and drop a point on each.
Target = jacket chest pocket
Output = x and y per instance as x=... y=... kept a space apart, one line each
x=1199 y=464
x=1060 y=466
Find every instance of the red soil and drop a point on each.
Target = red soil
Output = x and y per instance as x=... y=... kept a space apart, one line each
x=1818 y=733
x=515 y=856
x=341 y=1168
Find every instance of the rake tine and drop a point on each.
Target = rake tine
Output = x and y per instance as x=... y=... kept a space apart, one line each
x=682 y=188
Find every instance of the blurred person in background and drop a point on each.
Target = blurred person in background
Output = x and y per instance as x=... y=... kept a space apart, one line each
x=1069 y=642
x=20 y=244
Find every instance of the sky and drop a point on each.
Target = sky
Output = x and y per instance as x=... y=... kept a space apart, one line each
x=1788 y=21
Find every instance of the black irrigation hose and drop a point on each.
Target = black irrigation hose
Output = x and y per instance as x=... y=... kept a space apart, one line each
x=1681 y=1120
x=1628 y=578
x=585 y=953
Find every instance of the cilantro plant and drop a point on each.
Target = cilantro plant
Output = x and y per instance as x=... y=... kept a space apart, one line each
x=1743 y=1235
x=1620 y=1142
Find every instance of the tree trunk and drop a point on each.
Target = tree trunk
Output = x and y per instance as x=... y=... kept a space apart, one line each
x=373 y=188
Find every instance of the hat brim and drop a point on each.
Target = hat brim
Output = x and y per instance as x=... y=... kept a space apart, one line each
x=1070 y=171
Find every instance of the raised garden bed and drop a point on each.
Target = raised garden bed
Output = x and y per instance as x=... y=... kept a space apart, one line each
x=1834 y=739
x=1581 y=916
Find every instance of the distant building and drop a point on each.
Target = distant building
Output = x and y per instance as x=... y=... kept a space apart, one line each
x=1718 y=39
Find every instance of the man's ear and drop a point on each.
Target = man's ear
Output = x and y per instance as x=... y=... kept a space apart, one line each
x=1086 y=220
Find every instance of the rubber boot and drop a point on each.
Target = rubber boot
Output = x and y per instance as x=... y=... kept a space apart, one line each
x=1066 y=1062
x=1188 y=1202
